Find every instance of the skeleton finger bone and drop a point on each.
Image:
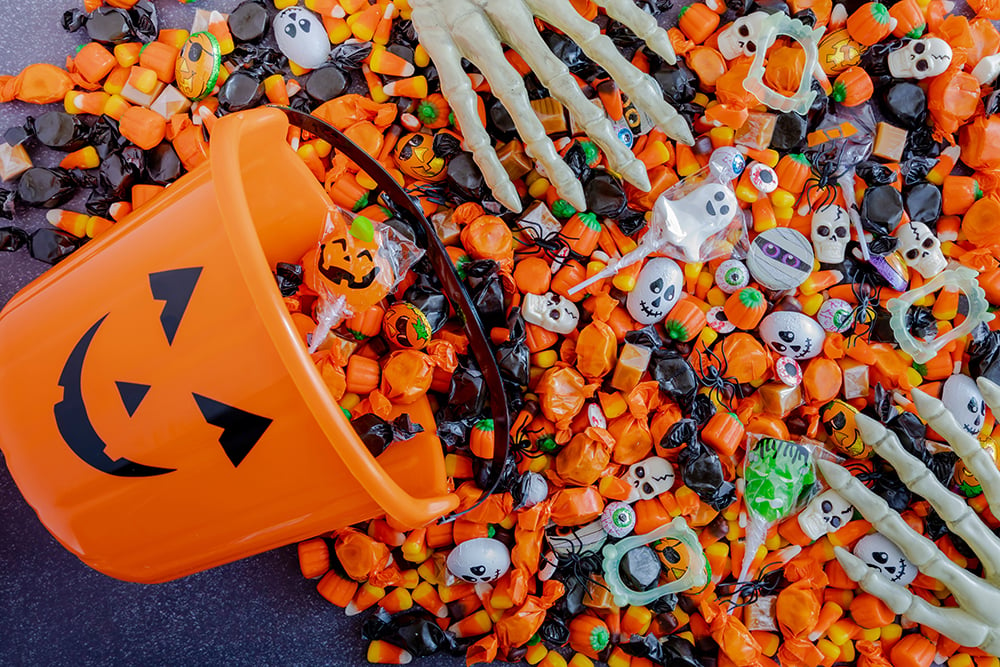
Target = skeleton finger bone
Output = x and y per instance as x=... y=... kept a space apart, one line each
x=517 y=28
x=456 y=87
x=960 y=626
x=643 y=25
x=958 y=516
x=965 y=445
x=640 y=87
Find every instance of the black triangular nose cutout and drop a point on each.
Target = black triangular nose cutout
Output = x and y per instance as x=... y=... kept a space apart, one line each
x=131 y=394
x=175 y=287
x=240 y=429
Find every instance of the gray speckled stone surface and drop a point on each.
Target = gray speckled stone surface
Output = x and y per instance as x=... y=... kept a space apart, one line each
x=54 y=610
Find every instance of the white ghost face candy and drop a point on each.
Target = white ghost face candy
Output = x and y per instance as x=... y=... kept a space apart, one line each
x=649 y=478
x=550 y=312
x=921 y=249
x=878 y=552
x=793 y=334
x=689 y=222
x=657 y=289
x=780 y=258
x=301 y=37
x=920 y=59
x=480 y=560
x=830 y=234
x=826 y=513
x=740 y=39
x=962 y=398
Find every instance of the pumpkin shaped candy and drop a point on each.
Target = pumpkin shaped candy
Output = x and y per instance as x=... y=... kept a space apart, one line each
x=355 y=265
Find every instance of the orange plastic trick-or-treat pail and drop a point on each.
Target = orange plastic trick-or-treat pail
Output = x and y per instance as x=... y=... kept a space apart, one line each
x=162 y=415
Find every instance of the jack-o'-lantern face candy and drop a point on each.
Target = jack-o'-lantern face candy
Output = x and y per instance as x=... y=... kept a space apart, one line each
x=198 y=65
x=354 y=261
x=425 y=156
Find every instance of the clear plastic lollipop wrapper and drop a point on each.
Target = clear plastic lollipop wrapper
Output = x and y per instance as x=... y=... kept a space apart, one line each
x=356 y=264
x=696 y=220
x=780 y=477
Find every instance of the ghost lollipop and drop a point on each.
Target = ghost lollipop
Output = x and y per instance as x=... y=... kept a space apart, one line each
x=687 y=228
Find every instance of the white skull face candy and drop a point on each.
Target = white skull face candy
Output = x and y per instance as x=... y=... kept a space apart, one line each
x=480 y=560
x=740 y=39
x=649 y=478
x=780 y=258
x=657 y=288
x=301 y=37
x=878 y=552
x=793 y=334
x=921 y=249
x=826 y=513
x=920 y=59
x=550 y=312
x=962 y=398
x=830 y=233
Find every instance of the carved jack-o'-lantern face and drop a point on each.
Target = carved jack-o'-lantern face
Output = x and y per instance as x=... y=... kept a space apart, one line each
x=424 y=156
x=838 y=420
x=350 y=263
x=198 y=66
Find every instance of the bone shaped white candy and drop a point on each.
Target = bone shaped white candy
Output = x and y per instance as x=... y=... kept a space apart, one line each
x=474 y=29
x=974 y=622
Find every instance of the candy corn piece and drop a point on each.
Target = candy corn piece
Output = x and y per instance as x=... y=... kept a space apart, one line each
x=477 y=624
x=384 y=653
x=364 y=23
x=366 y=596
x=427 y=597
x=386 y=62
x=415 y=86
x=68 y=221
x=384 y=29
x=85 y=158
x=398 y=600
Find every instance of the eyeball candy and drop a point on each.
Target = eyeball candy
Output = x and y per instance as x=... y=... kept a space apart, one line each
x=763 y=178
x=732 y=276
x=793 y=334
x=301 y=37
x=780 y=258
x=835 y=315
x=788 y=371
x=657 y=288
x=480 y=560
x=618 y=519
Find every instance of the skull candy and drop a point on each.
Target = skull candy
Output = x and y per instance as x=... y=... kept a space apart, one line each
x=550 y=312
x=920 y=59
x=740 y=39
x=649 y=478
x=921 y=249
x=878 y=552
x=962 y=398
x=830 y=233
x=826 y=513
x=657 y=288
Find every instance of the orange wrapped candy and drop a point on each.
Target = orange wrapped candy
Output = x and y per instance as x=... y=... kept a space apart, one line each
x=783 y=72
x=562 y=392
x=360 y=555
x=346 y=110
x=952 y=99
x=576 y=506
x=489 y=237
x=519 y=625
x=585 y=457
x=40 y=83
x=797 y=609
x=870 y=654
x=596 y=350
x=406 y=376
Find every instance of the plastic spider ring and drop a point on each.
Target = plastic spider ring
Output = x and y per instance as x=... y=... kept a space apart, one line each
x=694 y=577
x=962 y=279
x=771 y=28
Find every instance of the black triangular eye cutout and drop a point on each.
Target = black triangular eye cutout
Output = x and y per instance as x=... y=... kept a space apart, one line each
x=131 y=394
x=175 y=287
x=241 y=430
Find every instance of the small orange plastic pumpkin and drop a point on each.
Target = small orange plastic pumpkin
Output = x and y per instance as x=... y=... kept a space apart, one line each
x=745 y=308
x=852 y=87
x=870 y=23
x=588 y=635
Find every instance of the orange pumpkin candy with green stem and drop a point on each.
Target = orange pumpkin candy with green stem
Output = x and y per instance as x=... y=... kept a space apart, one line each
x=588 y=635
x=910 y=21
x=685 y=321
x=870 y=23
x=745 y=308
x=852 y=87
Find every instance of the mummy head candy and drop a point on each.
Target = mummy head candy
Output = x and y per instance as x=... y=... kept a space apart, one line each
x=780 y=258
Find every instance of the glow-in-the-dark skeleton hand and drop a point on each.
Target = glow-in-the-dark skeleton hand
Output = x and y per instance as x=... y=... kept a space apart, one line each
x=475 y=29
x=975 y=622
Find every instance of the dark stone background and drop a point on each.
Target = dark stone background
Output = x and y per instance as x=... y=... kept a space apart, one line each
x=54 y=610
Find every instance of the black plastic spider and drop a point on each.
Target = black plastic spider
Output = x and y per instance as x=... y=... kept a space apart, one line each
x=822 y=186
x=863 y=316
x=713 y=375
x=743 y=593
x=433 y=192
x=552 y=246
x=576 y=566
